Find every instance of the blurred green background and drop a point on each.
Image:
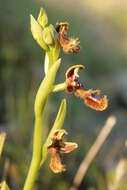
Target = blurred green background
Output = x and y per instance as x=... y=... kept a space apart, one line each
x=102 y=29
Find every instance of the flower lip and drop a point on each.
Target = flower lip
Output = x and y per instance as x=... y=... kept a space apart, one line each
x=59 y=134
x=96 y=102
x=93 y=99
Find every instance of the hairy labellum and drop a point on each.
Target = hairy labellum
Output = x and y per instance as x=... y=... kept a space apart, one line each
x=92 y=99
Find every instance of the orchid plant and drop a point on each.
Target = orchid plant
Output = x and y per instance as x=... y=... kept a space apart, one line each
x=52 y=39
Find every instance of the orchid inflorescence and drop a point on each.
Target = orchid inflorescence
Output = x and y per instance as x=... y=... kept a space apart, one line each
x=52 y=39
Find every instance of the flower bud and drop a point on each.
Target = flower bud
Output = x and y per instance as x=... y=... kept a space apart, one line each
x=37 y=33
x=42 y=18
x=48 y=35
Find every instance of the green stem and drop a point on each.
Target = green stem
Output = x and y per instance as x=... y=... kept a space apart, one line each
x=40 y=100
x=36 y=158
x=59 y=87
x=48 y=60
x=51 y=56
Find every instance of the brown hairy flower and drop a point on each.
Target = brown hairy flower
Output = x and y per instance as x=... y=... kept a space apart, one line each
x=57 y=147
x=69 y=45
x=91 y=97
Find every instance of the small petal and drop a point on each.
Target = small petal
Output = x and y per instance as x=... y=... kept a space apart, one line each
x=59 y=134
x=62 y=27
x=73 y=71
x=69 y=147
x=56 y=165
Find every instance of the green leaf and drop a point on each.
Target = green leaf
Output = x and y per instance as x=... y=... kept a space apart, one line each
x=57 y=125
x=59 y=119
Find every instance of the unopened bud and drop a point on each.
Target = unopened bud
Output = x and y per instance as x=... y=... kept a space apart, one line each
x=37 y=33
x=42 y=18
x=48 y=35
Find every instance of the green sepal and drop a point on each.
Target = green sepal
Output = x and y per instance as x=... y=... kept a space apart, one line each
x=42 y=18
x=57 y=125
